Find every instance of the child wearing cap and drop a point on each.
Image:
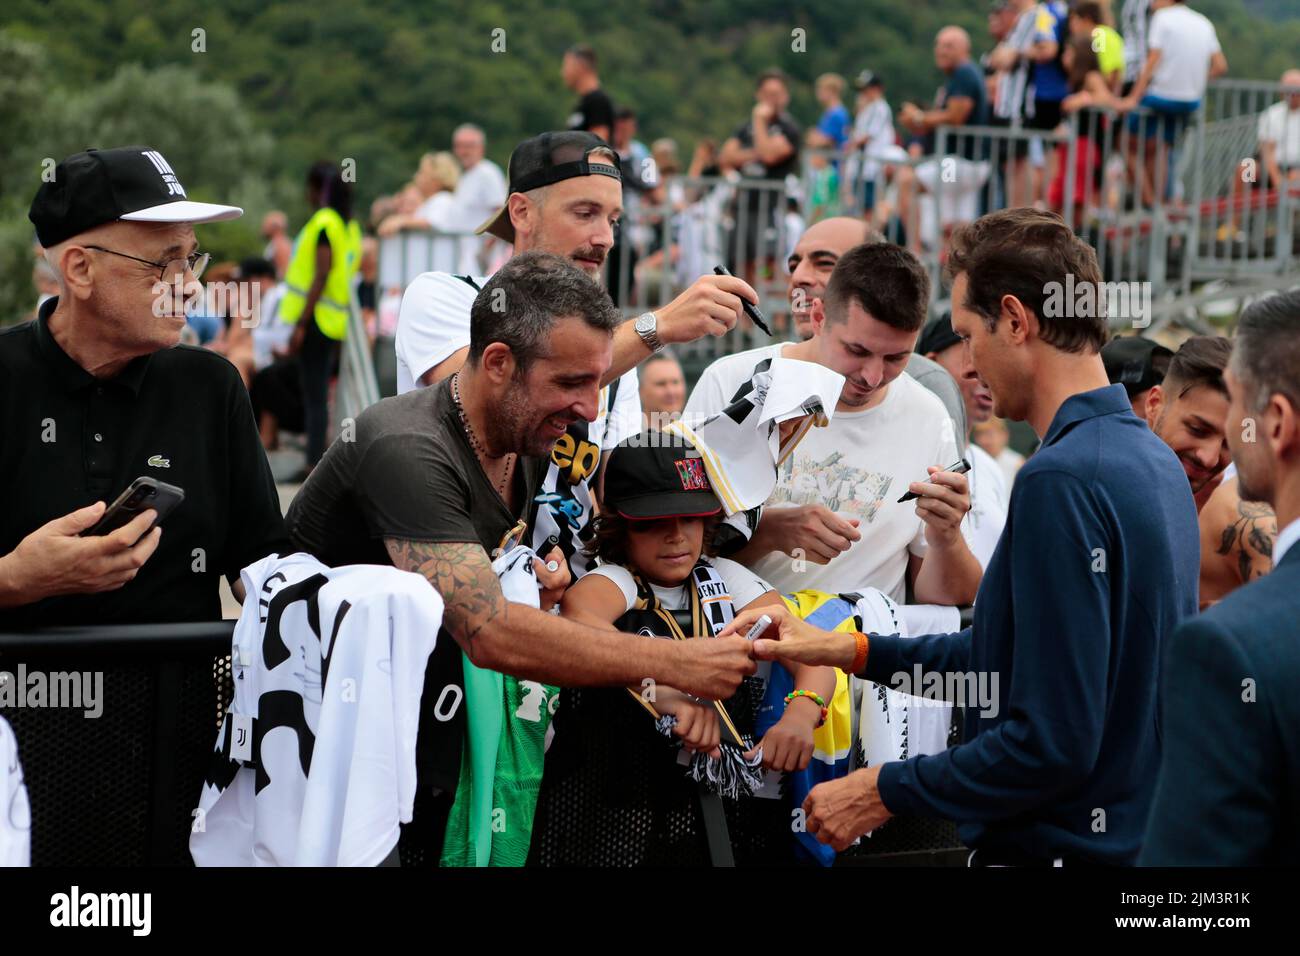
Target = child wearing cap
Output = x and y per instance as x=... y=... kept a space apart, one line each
x=655 y=578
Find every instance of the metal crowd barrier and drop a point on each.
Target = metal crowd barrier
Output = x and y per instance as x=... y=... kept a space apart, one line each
x=1246 y=219
x=119 y=789
x=357 y=387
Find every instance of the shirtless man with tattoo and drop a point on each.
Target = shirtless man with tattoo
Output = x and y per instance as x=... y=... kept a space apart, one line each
x=1236 y=542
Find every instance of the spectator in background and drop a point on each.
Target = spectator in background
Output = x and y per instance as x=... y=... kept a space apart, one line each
x=668 y=190
x=639 y=177
x=275 y=230
x=994 y=437
x=765 y=147
x=436 y=181
x=827 y=140
x=437 y=178
x=595 y=110
x=1012 y=59
x=960 y=102
x=832 y=129
x=663 y=390
x=1278 y=137
x=700 y=243
x=872 y=138
x=207 y=315
x=1001 y=18
x=1138 y=364
x=1088 y=19
x=1135 y=22
x=1183 y=53
x=989 y=494
x=383 y=207
x=1188 y=411
x=270 y=336
x=317 y=300
x=248 y=284
x=367 y=285
x=663 y=221
x=1089 y=95
x=1046 y=74
x=479 y=193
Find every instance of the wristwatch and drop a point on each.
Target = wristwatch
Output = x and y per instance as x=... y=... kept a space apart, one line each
x=647 y=326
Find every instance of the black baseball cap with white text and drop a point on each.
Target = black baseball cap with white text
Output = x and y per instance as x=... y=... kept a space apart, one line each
x=132 y=183
x=543 y=160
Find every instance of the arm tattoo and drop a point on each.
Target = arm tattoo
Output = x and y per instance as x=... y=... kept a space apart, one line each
x=462 y=574
x=1251 y=533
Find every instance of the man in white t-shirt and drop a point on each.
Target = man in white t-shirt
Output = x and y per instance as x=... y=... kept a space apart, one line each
x=1279 y=133
x=834 y=522
x=480 y=192
x=1183 y=54
x=564 y=197
x=873 y=135
x=1278 y=137
x=988 y=488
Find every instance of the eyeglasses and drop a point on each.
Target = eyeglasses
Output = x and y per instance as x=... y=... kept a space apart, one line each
x=169 y=269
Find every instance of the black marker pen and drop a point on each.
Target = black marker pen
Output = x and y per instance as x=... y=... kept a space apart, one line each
x=960 y=468
x=750 y=309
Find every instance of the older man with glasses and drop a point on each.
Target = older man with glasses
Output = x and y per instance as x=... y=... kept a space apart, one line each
x=96 y=393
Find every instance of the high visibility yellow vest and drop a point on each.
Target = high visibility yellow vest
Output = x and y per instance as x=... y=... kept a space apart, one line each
x=335 y=299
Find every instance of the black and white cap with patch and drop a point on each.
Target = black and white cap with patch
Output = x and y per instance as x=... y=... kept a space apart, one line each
x=133 y=183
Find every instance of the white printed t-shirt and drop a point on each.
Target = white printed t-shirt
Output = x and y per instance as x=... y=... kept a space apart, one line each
x=857 y=466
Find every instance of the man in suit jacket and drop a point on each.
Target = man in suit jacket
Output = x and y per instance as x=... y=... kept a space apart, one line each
x=1229 y=786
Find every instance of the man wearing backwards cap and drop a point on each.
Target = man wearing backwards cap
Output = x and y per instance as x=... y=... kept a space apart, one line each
x=565 y=196
x=1137 y=364
x=96 y=392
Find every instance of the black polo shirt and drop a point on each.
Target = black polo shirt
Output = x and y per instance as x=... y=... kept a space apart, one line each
x=181 y=416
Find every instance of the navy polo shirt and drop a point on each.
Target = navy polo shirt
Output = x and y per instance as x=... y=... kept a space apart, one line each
x=180 y=415
x=1098 y=562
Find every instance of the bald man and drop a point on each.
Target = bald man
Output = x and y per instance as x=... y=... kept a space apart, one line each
x=962 y=101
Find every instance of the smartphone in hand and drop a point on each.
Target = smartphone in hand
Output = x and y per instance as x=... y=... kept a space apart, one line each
x=142 y=494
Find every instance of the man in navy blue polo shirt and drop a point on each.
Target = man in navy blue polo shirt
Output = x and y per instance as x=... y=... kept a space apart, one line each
x=1097 y=564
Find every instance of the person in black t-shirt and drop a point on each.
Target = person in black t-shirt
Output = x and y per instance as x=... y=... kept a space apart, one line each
x=595 y=110
x=766 y=147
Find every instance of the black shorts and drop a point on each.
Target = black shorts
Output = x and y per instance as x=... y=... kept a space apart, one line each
x=1010 y=149
x=1047 y=115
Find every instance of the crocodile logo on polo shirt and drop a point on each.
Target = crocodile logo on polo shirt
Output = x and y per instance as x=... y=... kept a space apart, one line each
x=158 y=461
